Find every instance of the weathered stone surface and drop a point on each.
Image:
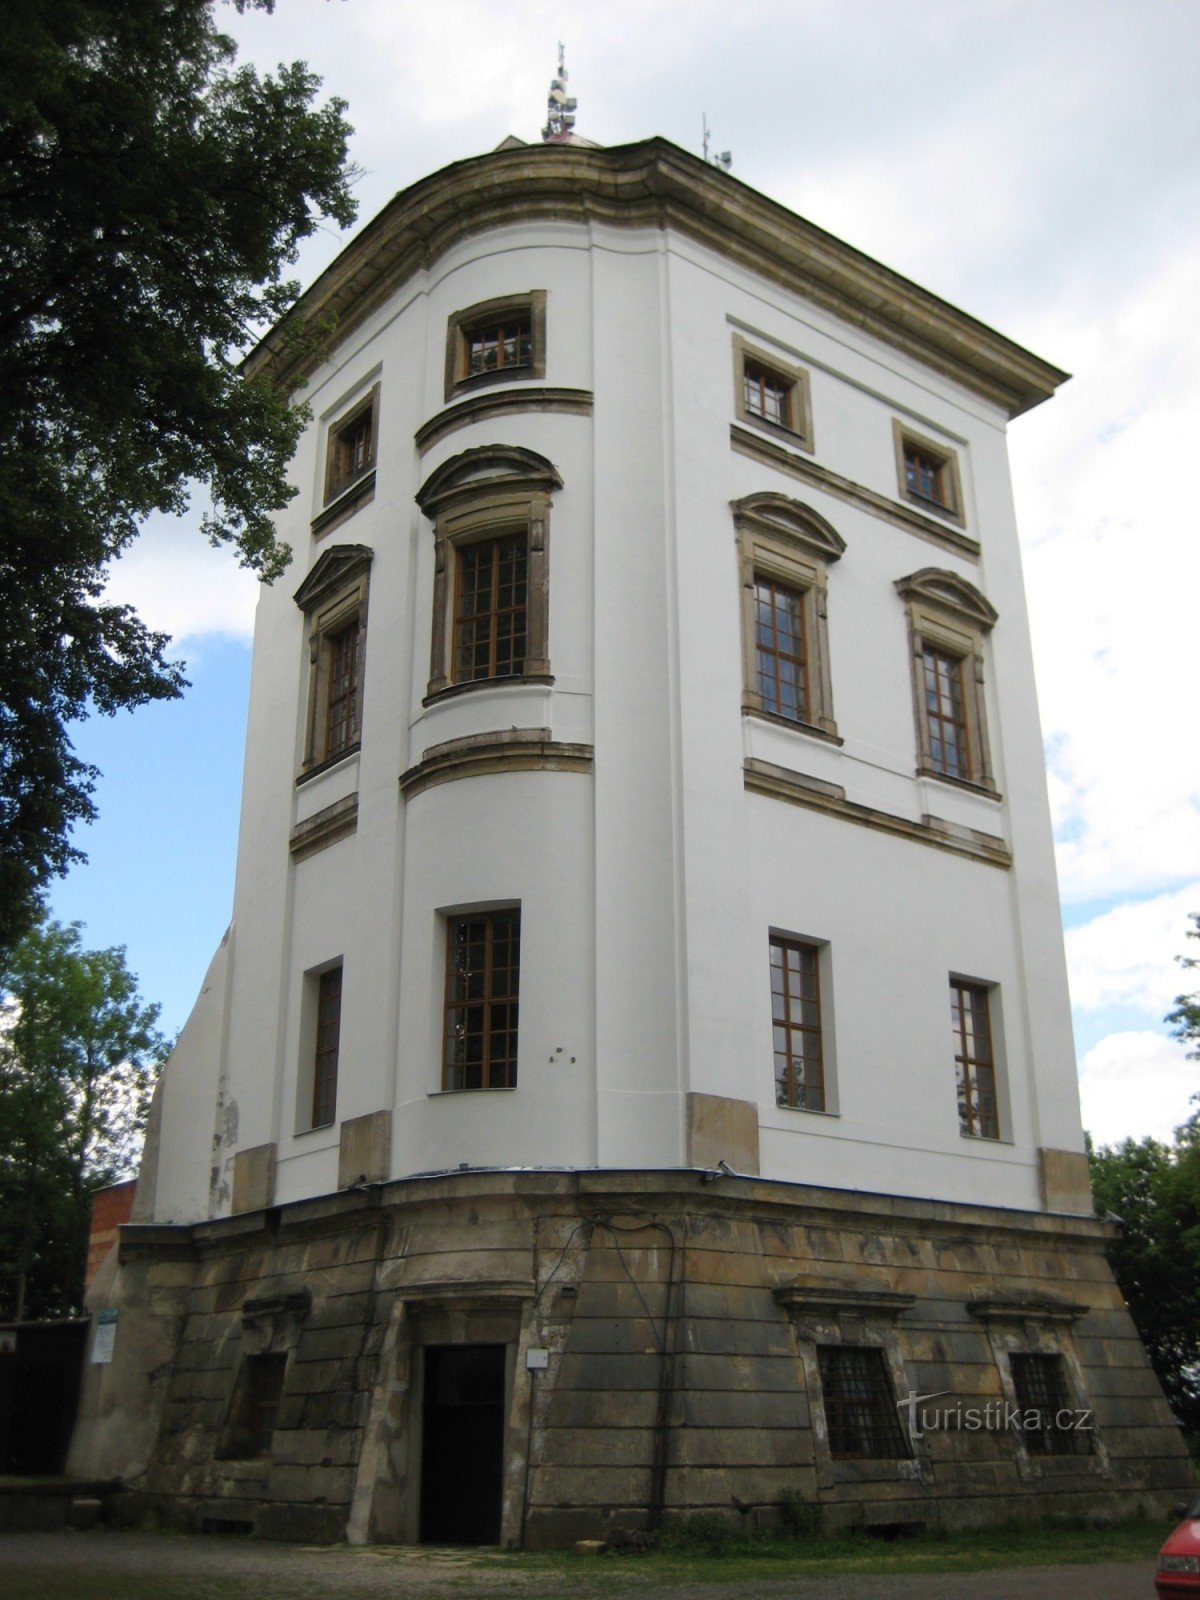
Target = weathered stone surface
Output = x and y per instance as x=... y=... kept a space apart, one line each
x=674 y=1380
x=254 y=1178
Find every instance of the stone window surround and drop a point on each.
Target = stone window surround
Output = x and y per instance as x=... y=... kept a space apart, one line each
x=458 y=379
x=783 y=539
x=482 y=494
x=858 y=1313
x=947 y=613
x=271 y=1327
x=796 y=380
x=333 y=597
x=952 y=507
x=995 y=1041
x=1040 y=1325
x=353 y=486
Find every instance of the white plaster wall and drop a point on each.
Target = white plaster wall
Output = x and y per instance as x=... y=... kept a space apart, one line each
x=648 y=887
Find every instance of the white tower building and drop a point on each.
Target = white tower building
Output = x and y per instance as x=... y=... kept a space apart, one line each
x=644 y=1006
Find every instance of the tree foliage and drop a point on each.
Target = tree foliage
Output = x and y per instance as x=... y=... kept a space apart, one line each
x=1185 y=1018
x=1154 y=1188
x=152 y=194
x=79 y=1053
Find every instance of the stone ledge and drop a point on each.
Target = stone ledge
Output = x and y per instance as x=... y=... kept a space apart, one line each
x=324 y=827
x=576 y=402
x=782 y=783
x=510 y=750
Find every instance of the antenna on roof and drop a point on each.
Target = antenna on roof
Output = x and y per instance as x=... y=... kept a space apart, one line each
x=724 y=160
x=560 y=108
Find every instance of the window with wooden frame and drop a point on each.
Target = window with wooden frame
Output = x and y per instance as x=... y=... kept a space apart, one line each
x=496 y=341
x=928 y=474
x=256 y=1396
x=491 y=605
x=974 y=1060
x=334 y=599
x=948 y=621
x=351 y=451
x=326 y=1047
x=771 y=393
x=860 y=1404
x=785 y=550
x=796 y=1024
x=490 y=608
x=483 y=971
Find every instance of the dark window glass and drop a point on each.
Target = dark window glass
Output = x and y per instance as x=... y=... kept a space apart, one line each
x=780 y=649
x=860 y=1408
x=974 y=1068
x=255 y=1402
x=496 y=346
x=351 y=451
x=490 y=613
x=483 y=965
x=341 y=705
x=796 y=1025
x=945 y=712
x=1046 y=1407
x=925 y=476
x=325 y=1062
x=767 y=395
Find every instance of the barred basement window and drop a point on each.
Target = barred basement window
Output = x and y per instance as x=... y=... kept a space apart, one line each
x=256 y=1397
x=860 y=1407
x=974 y=1062
x=796 y=1025
x=483 y=968
x=1048 y=1411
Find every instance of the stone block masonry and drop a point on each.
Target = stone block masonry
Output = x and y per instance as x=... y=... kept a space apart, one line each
x=662 y=1338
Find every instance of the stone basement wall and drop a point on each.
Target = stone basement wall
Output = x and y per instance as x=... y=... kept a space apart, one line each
x=680 y=1318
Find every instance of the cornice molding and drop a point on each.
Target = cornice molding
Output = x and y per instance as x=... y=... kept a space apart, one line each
x=484 y=754
x=649 y=184
x=769 y=454
x=782 y=783
x=576 y=402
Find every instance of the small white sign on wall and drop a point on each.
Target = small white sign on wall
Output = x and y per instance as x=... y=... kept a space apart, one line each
x=104 y=1337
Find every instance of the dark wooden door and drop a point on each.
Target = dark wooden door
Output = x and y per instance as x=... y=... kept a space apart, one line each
x=462 y=1446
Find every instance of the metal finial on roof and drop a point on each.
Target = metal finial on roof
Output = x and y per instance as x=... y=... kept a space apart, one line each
x=723 y=159
x=560 y=108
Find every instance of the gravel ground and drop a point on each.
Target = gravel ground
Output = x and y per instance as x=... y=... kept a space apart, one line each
x=130 y=1566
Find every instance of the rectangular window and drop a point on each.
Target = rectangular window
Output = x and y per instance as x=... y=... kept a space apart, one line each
x=325 y=1055
x=341 y=686
x=780 y=649
x=945 y=712
x=767 y=394
x=483 y=966
x=501 y=344
x=1048 y=1413
x=256 y=1400
x=796 y=1025
x=496 y=341
x=490 y=610
x=771 y=392
x=974 y=1065
x=860 y=1407
x=928 y=473
x=352 y=447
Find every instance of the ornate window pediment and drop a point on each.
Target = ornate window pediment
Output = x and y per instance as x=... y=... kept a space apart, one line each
x=341 y=564
x=483 y=469
x=934 y=586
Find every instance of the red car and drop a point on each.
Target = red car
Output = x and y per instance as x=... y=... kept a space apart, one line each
x=1178 y=1575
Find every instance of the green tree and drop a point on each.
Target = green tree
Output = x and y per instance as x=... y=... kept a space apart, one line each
x=151 y=196
x=1154 y=1188
x=79 y=1053
x=1186 y=1015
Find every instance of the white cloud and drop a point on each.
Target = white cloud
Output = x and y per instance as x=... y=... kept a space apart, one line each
x=181 y=585
x=1136 y=1086
x=1127 y=956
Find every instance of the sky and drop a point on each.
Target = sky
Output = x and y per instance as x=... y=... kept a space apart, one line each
x=1034 y=162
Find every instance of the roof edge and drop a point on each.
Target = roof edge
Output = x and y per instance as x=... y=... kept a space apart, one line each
x=651 y=183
